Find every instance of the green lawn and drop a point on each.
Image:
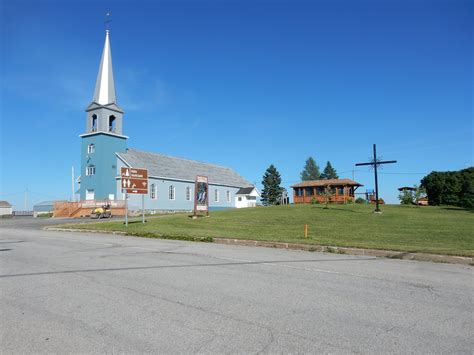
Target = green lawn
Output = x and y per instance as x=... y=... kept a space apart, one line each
x=440 y=230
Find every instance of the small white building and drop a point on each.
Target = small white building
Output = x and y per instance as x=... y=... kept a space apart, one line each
x=6 y=209
x=246 y=197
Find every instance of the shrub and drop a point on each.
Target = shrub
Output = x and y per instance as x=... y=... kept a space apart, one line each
x=360 y=200
x=315 y=201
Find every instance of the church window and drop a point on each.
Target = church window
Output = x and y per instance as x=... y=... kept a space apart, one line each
x=228 y=196
x=112 y=123
x=216 y=195
x=153 y=191
x=94 y=123
x=188 y=193
x=90 y=148
x=90 y=170
x=240 y=199
x=171 y=192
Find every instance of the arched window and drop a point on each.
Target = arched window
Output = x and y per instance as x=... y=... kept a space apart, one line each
x=188 y=193
x=216 y=195
x=90 y=148
x=171 y=192
x=112 y=123
x=94 y=123
x=153 y=191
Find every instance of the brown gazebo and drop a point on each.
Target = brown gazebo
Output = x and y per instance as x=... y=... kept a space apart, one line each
x=342 y=190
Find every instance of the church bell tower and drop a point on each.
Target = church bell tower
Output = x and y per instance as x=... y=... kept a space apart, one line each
x=104 y=135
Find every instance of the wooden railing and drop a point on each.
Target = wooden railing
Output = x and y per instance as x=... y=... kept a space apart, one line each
x=84 y=208
x=322 y=199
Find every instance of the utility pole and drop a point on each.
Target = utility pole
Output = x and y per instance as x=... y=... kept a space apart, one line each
x=26 y=199
x=72 y=184
x=376 y=163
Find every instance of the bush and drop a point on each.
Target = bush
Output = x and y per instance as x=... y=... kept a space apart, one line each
x=360 y=200
x=315 y=201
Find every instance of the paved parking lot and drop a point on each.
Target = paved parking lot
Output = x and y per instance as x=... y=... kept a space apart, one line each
x=79 y=292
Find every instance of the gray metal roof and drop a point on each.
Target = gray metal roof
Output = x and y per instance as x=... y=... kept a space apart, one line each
x=5 y=204
x=165 y=166
x=44 y=203
x=245 y=190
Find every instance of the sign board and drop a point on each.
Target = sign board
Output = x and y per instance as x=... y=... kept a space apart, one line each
x=134 y=181
x=201 y=195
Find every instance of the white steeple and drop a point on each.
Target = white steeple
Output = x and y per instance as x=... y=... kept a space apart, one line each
x=105 y=87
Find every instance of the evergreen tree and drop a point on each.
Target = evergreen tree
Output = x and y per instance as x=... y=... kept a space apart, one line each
x=271 y=186
x=329 y=172
x=310 y=171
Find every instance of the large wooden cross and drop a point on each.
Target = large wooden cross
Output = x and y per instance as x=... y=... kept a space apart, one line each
x=375 y=163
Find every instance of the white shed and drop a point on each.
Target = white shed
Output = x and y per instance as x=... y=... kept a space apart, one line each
x=246 y=197
x=6 y=208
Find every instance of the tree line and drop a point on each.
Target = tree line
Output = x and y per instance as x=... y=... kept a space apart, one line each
x=454 y=188
x=272 y=191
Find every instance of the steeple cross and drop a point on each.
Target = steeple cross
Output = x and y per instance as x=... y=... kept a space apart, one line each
x=375 y=163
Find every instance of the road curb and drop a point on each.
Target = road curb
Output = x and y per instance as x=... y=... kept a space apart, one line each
x=56 y=229
x=391 y=254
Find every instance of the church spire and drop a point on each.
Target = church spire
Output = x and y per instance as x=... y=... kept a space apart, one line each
x=105 y=87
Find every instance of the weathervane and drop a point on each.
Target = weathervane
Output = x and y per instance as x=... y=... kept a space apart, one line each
x=375 y=162
x=107 y=21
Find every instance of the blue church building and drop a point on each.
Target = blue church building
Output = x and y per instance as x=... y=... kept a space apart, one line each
x=171 y=180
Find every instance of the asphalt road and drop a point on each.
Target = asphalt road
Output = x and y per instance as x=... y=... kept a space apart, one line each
x=70 y=292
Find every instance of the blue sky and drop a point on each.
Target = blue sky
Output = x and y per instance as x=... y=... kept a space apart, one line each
x=244 y=84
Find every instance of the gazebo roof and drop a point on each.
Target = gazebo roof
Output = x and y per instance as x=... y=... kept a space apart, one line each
x=409 y=188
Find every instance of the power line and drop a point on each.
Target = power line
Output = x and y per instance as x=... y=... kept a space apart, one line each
x=12 y=193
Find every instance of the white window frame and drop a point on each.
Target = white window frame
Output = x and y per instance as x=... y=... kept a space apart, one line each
x=90 y=170
x=153 y=192
x=172 y=193
x=216 y=195
x=90 y=148
x=188 y=193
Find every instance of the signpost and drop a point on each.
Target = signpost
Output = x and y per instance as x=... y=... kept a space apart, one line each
x=201 y=195
x=134 y=181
